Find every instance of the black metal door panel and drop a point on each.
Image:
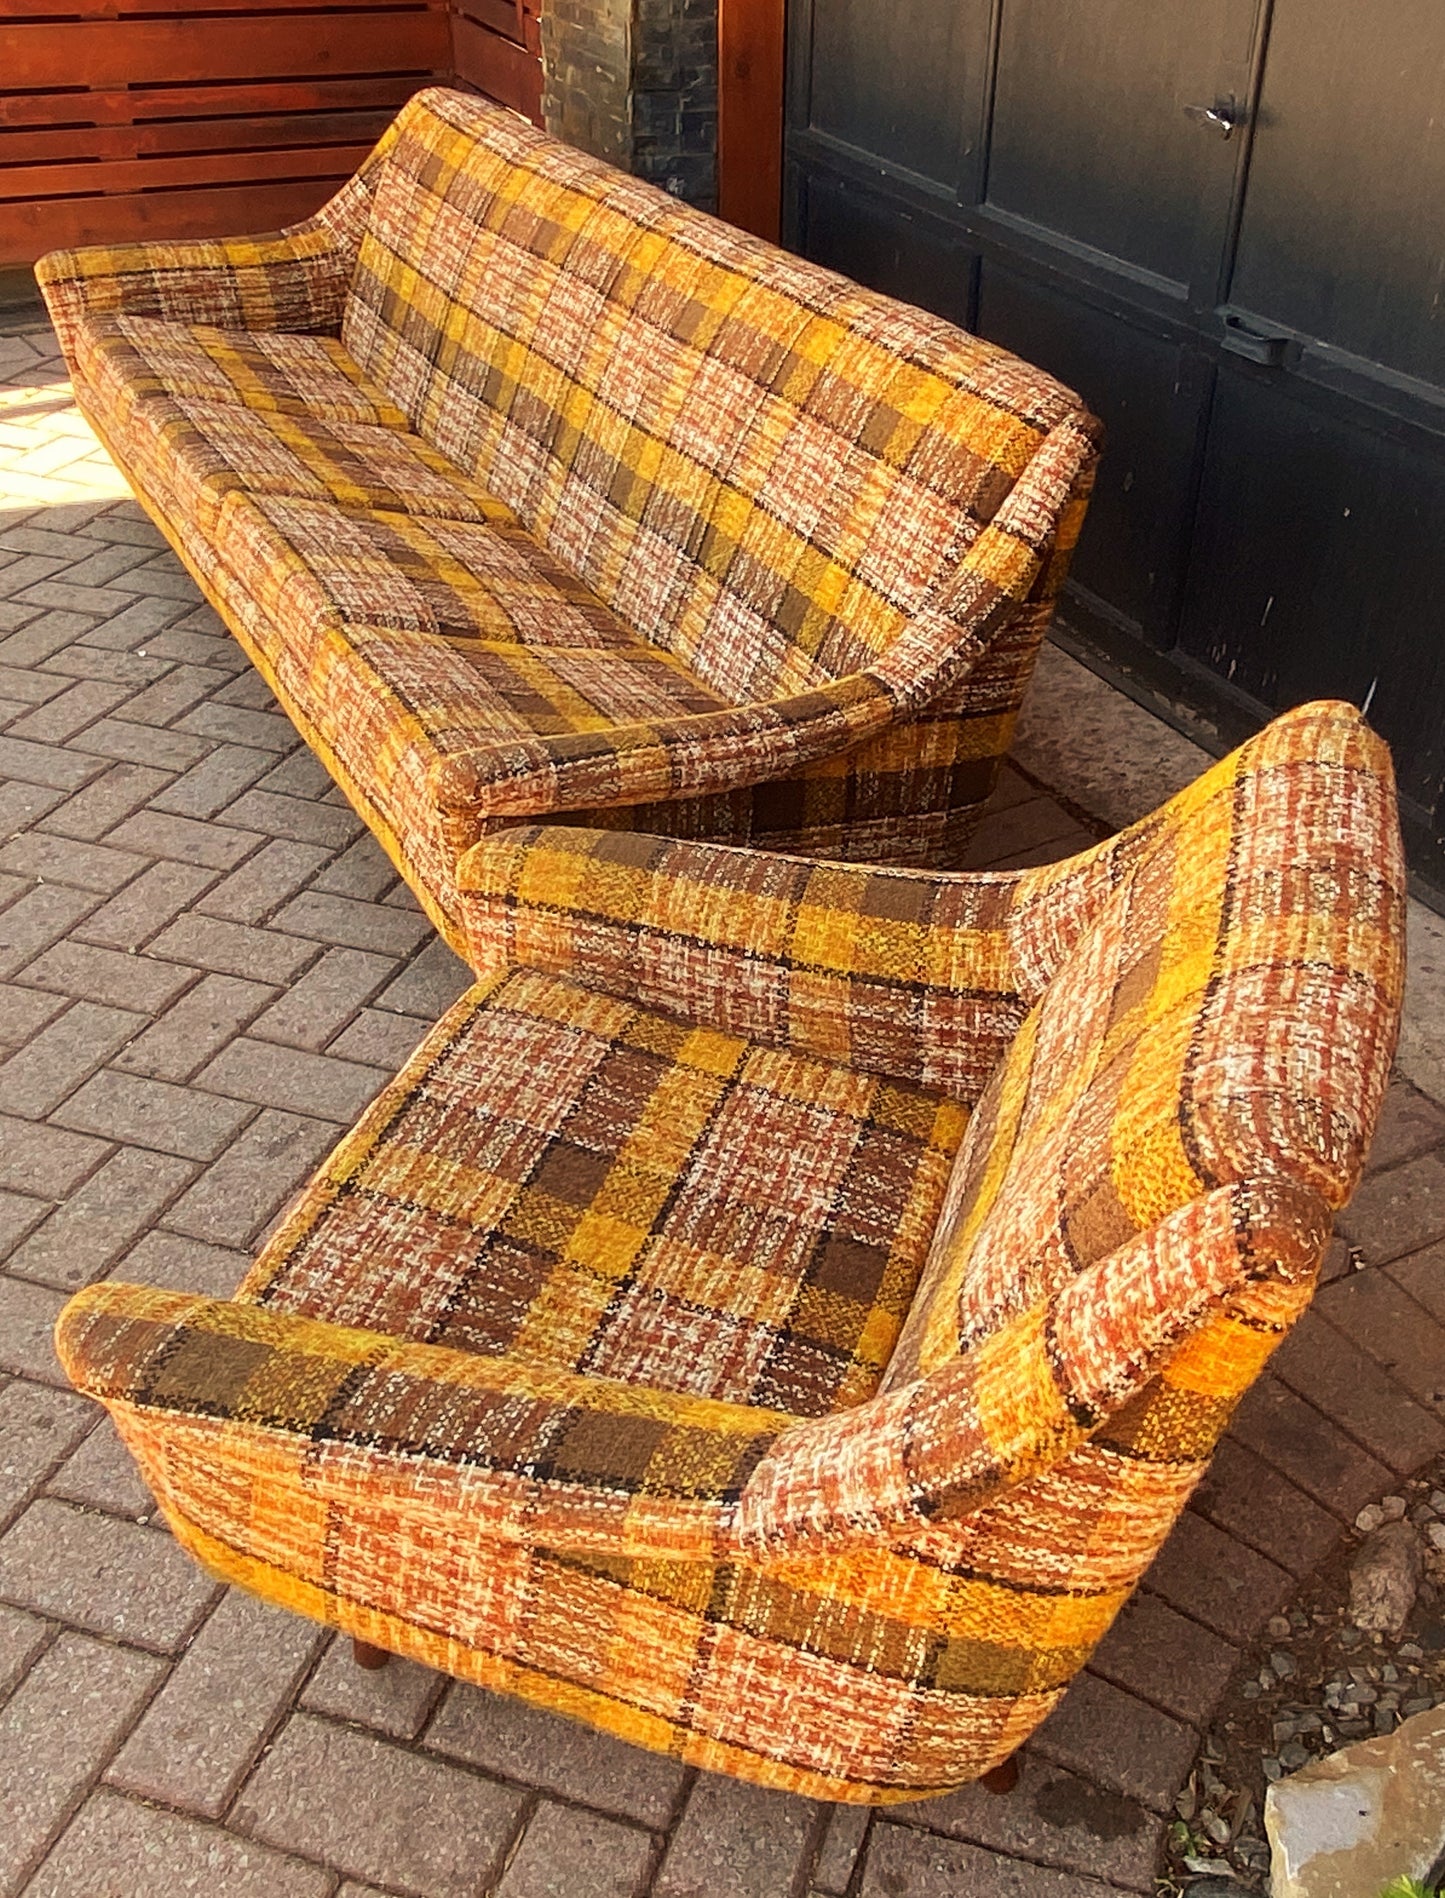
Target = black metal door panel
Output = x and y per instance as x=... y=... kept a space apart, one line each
x=1092 y=137
x=1289 y=597
x=1146 y=390
x=1342 y=234
x=1223 y=221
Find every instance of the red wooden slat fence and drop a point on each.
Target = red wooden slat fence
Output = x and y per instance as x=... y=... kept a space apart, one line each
x=126 y=119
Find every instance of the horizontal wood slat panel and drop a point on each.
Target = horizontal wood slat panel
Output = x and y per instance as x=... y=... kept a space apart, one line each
x=90 y=10
x=70 y=109
x=501 y=16
x=121 y=52
x=192 y=168
x=28 y=230
x=72 y=144
x=498 y=67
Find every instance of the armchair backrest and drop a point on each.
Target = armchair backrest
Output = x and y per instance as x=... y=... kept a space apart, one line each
x=759 y=466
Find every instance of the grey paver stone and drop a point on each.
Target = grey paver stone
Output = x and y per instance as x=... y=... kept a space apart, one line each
x=1260 y=1507
x=27 y=1331
x=905 y=1864
x=175 y=1263
x=65 y=860
x=100 y=1218
x=1164 y=1656
x=263 y=730
x=1409 y=1123
x=1372 y=1310
x=736 y=1841
x=117 y=1848
x=1204 y=1572
x=264 y=881
x=24 y=804
x=22 y=1637
x=102 y=1474
x=302 y=820
x=569 y=1854
x=324 y=999
x=290 y=1078
x=340 y=919
x=145 y=907
x=1422 y=1276
x=46 y=1162
x=55 y=1733
x=1120 y=1743
x=35 y=921
x=201 y=1733
x=37 y=1078
x=1357 y=1387
x=45 y=764
x=255 y=1174
x=136 y=624
x=208 y=942
x=394 y=1699
x=186 y=839
x=364 y=871
x=19 y=1215
x=506 y=1736
x=378 y=1039
x=92 y=974
x=105 y=801
x=193 y=1028
x=130 y=1107
x=1293 y=1437
x=177 y=692
x=1052 y=1817
x=423 y=1827
x=429 y=984
x=24 y=1012
x=96 y=1572
x=843 y=1839
x=37 y=1426
x=61 y=718
x=1397 y=1211
x=300 y=775
x=128 y=743
x=215 y=782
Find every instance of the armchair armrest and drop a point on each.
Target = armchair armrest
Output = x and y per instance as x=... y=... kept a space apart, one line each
x=662 y=759
x=894 y=972
x=210 y=1394
x=1200 y=1300
x=295 y=279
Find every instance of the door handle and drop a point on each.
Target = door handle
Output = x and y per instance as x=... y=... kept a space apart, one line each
x=1224 y=118
x=1268 y=347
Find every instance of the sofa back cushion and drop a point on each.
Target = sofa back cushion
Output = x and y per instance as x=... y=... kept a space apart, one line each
x=756 y=464
x=1227 y=1014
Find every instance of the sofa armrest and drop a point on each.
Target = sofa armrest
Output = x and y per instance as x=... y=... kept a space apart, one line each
x=220 y=1400
x=296 y=279
x=1200 y=1300
x=894 y=972
x=659 y=760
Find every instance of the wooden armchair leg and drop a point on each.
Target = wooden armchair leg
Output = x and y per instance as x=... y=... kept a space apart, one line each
x=1003 y=1777
x=365 y=1655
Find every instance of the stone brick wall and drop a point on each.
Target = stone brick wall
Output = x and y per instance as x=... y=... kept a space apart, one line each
x=635 y=82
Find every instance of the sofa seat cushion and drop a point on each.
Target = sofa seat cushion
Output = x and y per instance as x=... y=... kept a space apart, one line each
x=207 y=415
x=582 y=1183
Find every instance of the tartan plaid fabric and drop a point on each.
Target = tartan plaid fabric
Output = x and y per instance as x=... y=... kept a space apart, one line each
x=438 y=1418
x=817 y=535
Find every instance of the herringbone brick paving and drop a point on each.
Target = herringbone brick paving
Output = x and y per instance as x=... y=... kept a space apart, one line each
x=206 y=968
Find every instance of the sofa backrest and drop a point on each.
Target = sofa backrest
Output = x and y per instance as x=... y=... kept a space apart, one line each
x=1222 y=1009
x=759 y=466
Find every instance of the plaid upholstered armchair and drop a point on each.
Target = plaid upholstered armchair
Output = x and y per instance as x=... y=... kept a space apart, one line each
x=779 y=1312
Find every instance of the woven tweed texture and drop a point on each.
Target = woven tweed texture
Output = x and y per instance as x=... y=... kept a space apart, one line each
x=779 y=1316
x=530 y=491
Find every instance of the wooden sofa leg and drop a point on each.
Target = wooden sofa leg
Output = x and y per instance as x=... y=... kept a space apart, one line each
x=365 y=1655
x=1003 y=1777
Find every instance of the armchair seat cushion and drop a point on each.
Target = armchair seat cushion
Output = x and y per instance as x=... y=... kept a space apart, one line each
x=583 y=1184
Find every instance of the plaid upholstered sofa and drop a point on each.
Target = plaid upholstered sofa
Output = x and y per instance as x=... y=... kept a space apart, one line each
x=530 y=490
x=779 y=1314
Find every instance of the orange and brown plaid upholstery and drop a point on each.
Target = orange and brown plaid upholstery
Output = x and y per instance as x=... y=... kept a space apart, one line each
x=582 y=1370
x=530 y=490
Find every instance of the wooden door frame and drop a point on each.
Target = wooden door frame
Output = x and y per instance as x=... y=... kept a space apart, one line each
x=750 y=35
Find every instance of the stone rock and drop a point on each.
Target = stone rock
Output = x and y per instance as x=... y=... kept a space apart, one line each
x=1384 y=1577
x=1346 y=1826
x=1369 y=1519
